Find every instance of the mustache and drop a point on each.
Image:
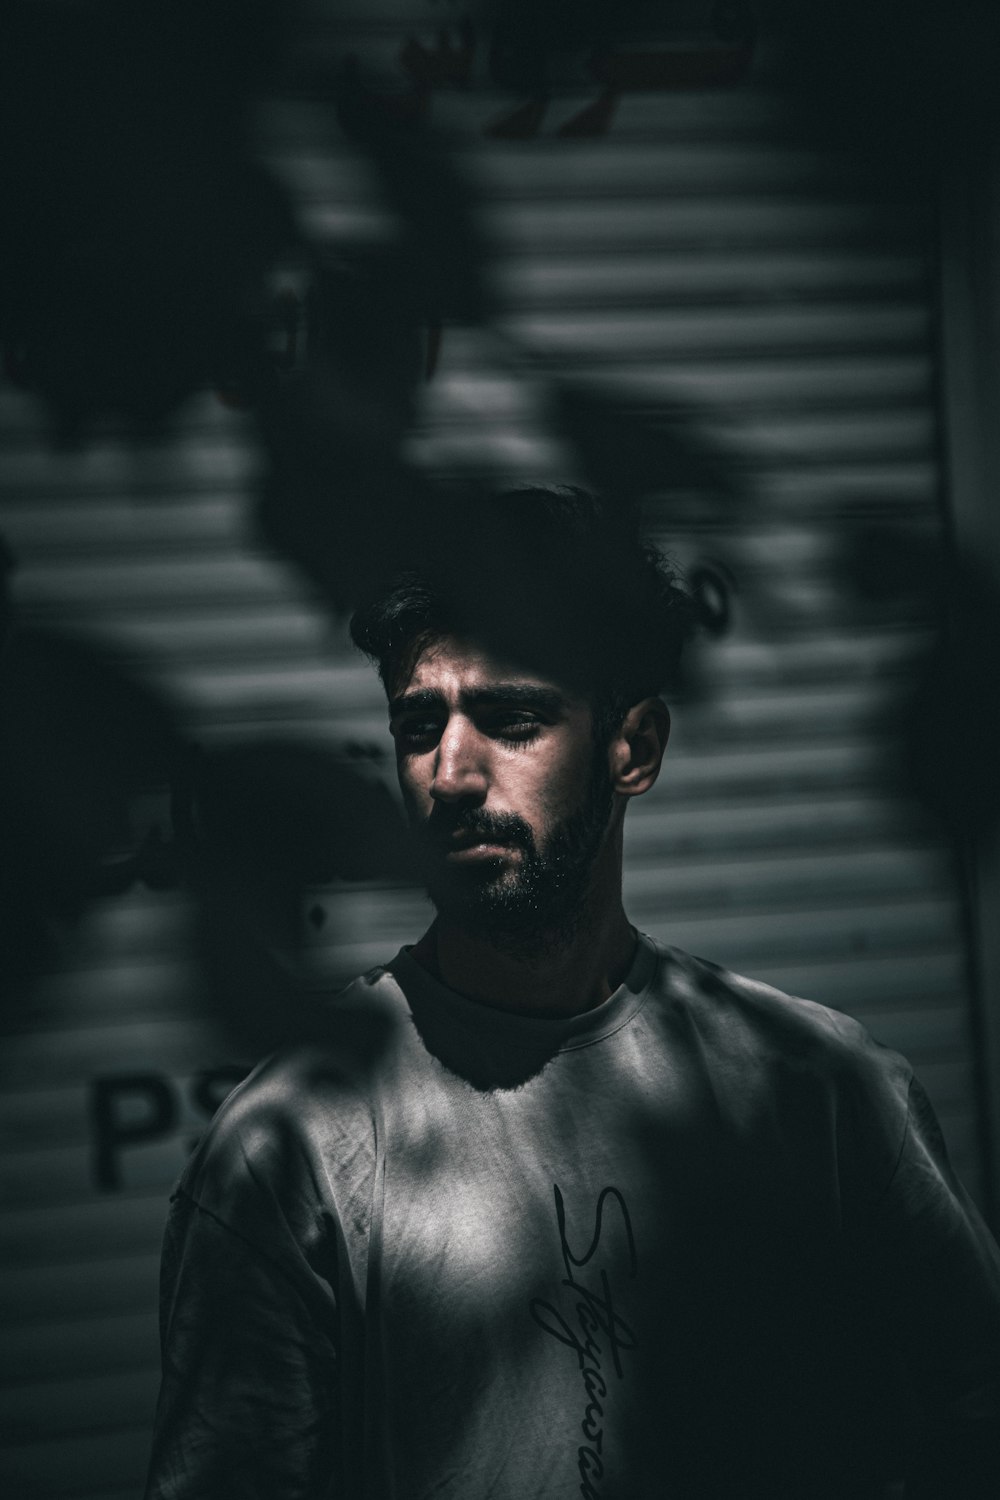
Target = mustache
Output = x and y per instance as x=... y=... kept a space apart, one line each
x=445 y=823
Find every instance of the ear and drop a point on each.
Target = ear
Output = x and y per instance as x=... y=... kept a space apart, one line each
x=636 y=751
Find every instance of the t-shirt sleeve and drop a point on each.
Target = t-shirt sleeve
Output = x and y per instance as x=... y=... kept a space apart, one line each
x=933 y=1273
x=247 y=1406
x=261 y=1293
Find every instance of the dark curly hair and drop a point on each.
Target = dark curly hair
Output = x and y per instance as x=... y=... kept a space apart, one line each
x=556 y=579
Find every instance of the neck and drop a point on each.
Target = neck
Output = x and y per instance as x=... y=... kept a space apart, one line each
x=556 y=979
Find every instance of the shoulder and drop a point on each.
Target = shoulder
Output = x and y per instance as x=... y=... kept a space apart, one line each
x=783 y=1046
x=790 y=1070
x=306 y=1114
x=748 y=1014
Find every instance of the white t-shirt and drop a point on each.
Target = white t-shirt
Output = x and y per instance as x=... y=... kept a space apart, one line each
x=700 y=1241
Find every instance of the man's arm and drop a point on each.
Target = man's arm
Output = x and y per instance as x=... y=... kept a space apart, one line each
x=247 y=1407
x=936 y=1282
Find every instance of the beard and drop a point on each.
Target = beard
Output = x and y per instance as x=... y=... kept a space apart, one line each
x=534 y=903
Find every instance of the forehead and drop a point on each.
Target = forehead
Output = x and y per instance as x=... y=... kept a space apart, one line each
x=453 y=669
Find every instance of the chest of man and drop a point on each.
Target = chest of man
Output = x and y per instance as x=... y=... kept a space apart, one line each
x=604 y=1282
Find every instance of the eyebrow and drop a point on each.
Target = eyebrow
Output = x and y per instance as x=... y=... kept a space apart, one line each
x=516 y=694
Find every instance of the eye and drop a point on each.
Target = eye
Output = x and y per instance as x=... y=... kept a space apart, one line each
x=416 y=733
x=515 y=726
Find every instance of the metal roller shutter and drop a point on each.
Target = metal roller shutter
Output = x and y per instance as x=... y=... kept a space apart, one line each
x=692 y=256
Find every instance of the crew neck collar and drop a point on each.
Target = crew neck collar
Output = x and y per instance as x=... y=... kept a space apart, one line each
x=561 y=1033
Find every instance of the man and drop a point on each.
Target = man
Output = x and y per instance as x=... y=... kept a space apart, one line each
x=556 y=1211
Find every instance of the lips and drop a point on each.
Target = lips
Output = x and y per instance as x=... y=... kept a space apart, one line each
x=483 y=846
x=470 y=838
x=468 y=834
x=466 y=840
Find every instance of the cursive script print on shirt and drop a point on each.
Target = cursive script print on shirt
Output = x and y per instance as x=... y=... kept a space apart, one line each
x=586 y=1320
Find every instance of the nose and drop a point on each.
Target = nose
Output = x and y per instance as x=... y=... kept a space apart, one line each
x=460 y=764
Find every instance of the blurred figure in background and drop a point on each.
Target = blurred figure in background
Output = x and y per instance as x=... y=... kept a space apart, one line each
x=552 y=1209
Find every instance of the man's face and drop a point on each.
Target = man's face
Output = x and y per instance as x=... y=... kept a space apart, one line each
x=505 y=788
